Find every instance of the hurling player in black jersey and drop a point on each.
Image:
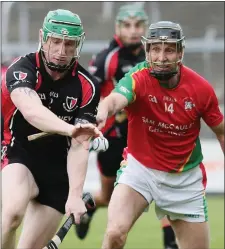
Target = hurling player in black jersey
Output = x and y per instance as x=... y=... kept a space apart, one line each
x=109 y=66
x=46 y=91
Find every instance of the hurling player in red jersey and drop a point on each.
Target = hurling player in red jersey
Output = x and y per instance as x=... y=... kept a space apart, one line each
x=109 y=66
x=165 y=102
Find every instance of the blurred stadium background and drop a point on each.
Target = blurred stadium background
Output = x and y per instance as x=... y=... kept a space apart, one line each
x=203 y=26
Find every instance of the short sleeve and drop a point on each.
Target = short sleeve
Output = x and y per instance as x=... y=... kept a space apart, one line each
x=21 y=73
x=126 y=87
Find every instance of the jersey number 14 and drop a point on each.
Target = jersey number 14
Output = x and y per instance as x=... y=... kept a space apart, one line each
x=169 y=108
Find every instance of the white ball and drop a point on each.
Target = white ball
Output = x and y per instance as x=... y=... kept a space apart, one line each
x=100 y=144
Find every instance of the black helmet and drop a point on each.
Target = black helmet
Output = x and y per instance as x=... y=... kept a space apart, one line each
x=164 y=32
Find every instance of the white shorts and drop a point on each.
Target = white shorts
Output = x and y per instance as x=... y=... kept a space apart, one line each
x=177 y=195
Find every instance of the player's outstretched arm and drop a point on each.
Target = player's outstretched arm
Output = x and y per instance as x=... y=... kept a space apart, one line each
x=109 y=106
x=30 y=105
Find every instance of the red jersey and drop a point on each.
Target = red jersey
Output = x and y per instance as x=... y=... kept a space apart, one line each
x=164 y=124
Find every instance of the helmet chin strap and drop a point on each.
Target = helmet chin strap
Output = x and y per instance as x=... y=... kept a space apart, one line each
x=57 y=68
x=161 y=76
x=164 y=75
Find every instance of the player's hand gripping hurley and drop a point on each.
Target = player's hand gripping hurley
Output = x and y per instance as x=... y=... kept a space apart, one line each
x=60 y=235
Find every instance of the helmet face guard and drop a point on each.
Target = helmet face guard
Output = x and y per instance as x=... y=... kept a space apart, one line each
x=161 y=33
x=64 y=25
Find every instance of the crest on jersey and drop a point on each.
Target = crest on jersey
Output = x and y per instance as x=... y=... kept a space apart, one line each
x=70 y=104
x=18 y=75
x=188 y=104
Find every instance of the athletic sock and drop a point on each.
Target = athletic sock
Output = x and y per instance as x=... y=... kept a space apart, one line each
x=169 y=238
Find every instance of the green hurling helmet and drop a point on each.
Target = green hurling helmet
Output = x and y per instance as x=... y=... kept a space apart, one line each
x=65 y=25
x=164 y=32
x=131 y=10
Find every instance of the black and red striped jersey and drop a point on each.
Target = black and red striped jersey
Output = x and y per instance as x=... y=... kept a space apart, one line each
x=110 y=65
x=76 y=96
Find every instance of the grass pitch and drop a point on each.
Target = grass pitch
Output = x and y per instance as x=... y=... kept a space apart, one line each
x=146 y=233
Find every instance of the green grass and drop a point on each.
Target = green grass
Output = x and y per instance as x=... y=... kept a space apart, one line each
x=146 y=233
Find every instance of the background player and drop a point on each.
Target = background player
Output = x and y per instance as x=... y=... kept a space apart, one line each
x=109 y=66
x=46 y=91
x=165 y=101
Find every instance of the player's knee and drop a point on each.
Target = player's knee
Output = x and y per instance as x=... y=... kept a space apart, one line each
x=11 y=218
x=117 y=235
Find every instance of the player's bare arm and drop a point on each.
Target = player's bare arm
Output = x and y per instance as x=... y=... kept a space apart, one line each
x=77 y=161
x=122 y=96
x=30 y=105
x=219 y=131
x=109 y=106
x=76 y=166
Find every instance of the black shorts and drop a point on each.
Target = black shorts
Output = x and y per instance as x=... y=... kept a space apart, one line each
x=109 y=161
x=49 y=169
